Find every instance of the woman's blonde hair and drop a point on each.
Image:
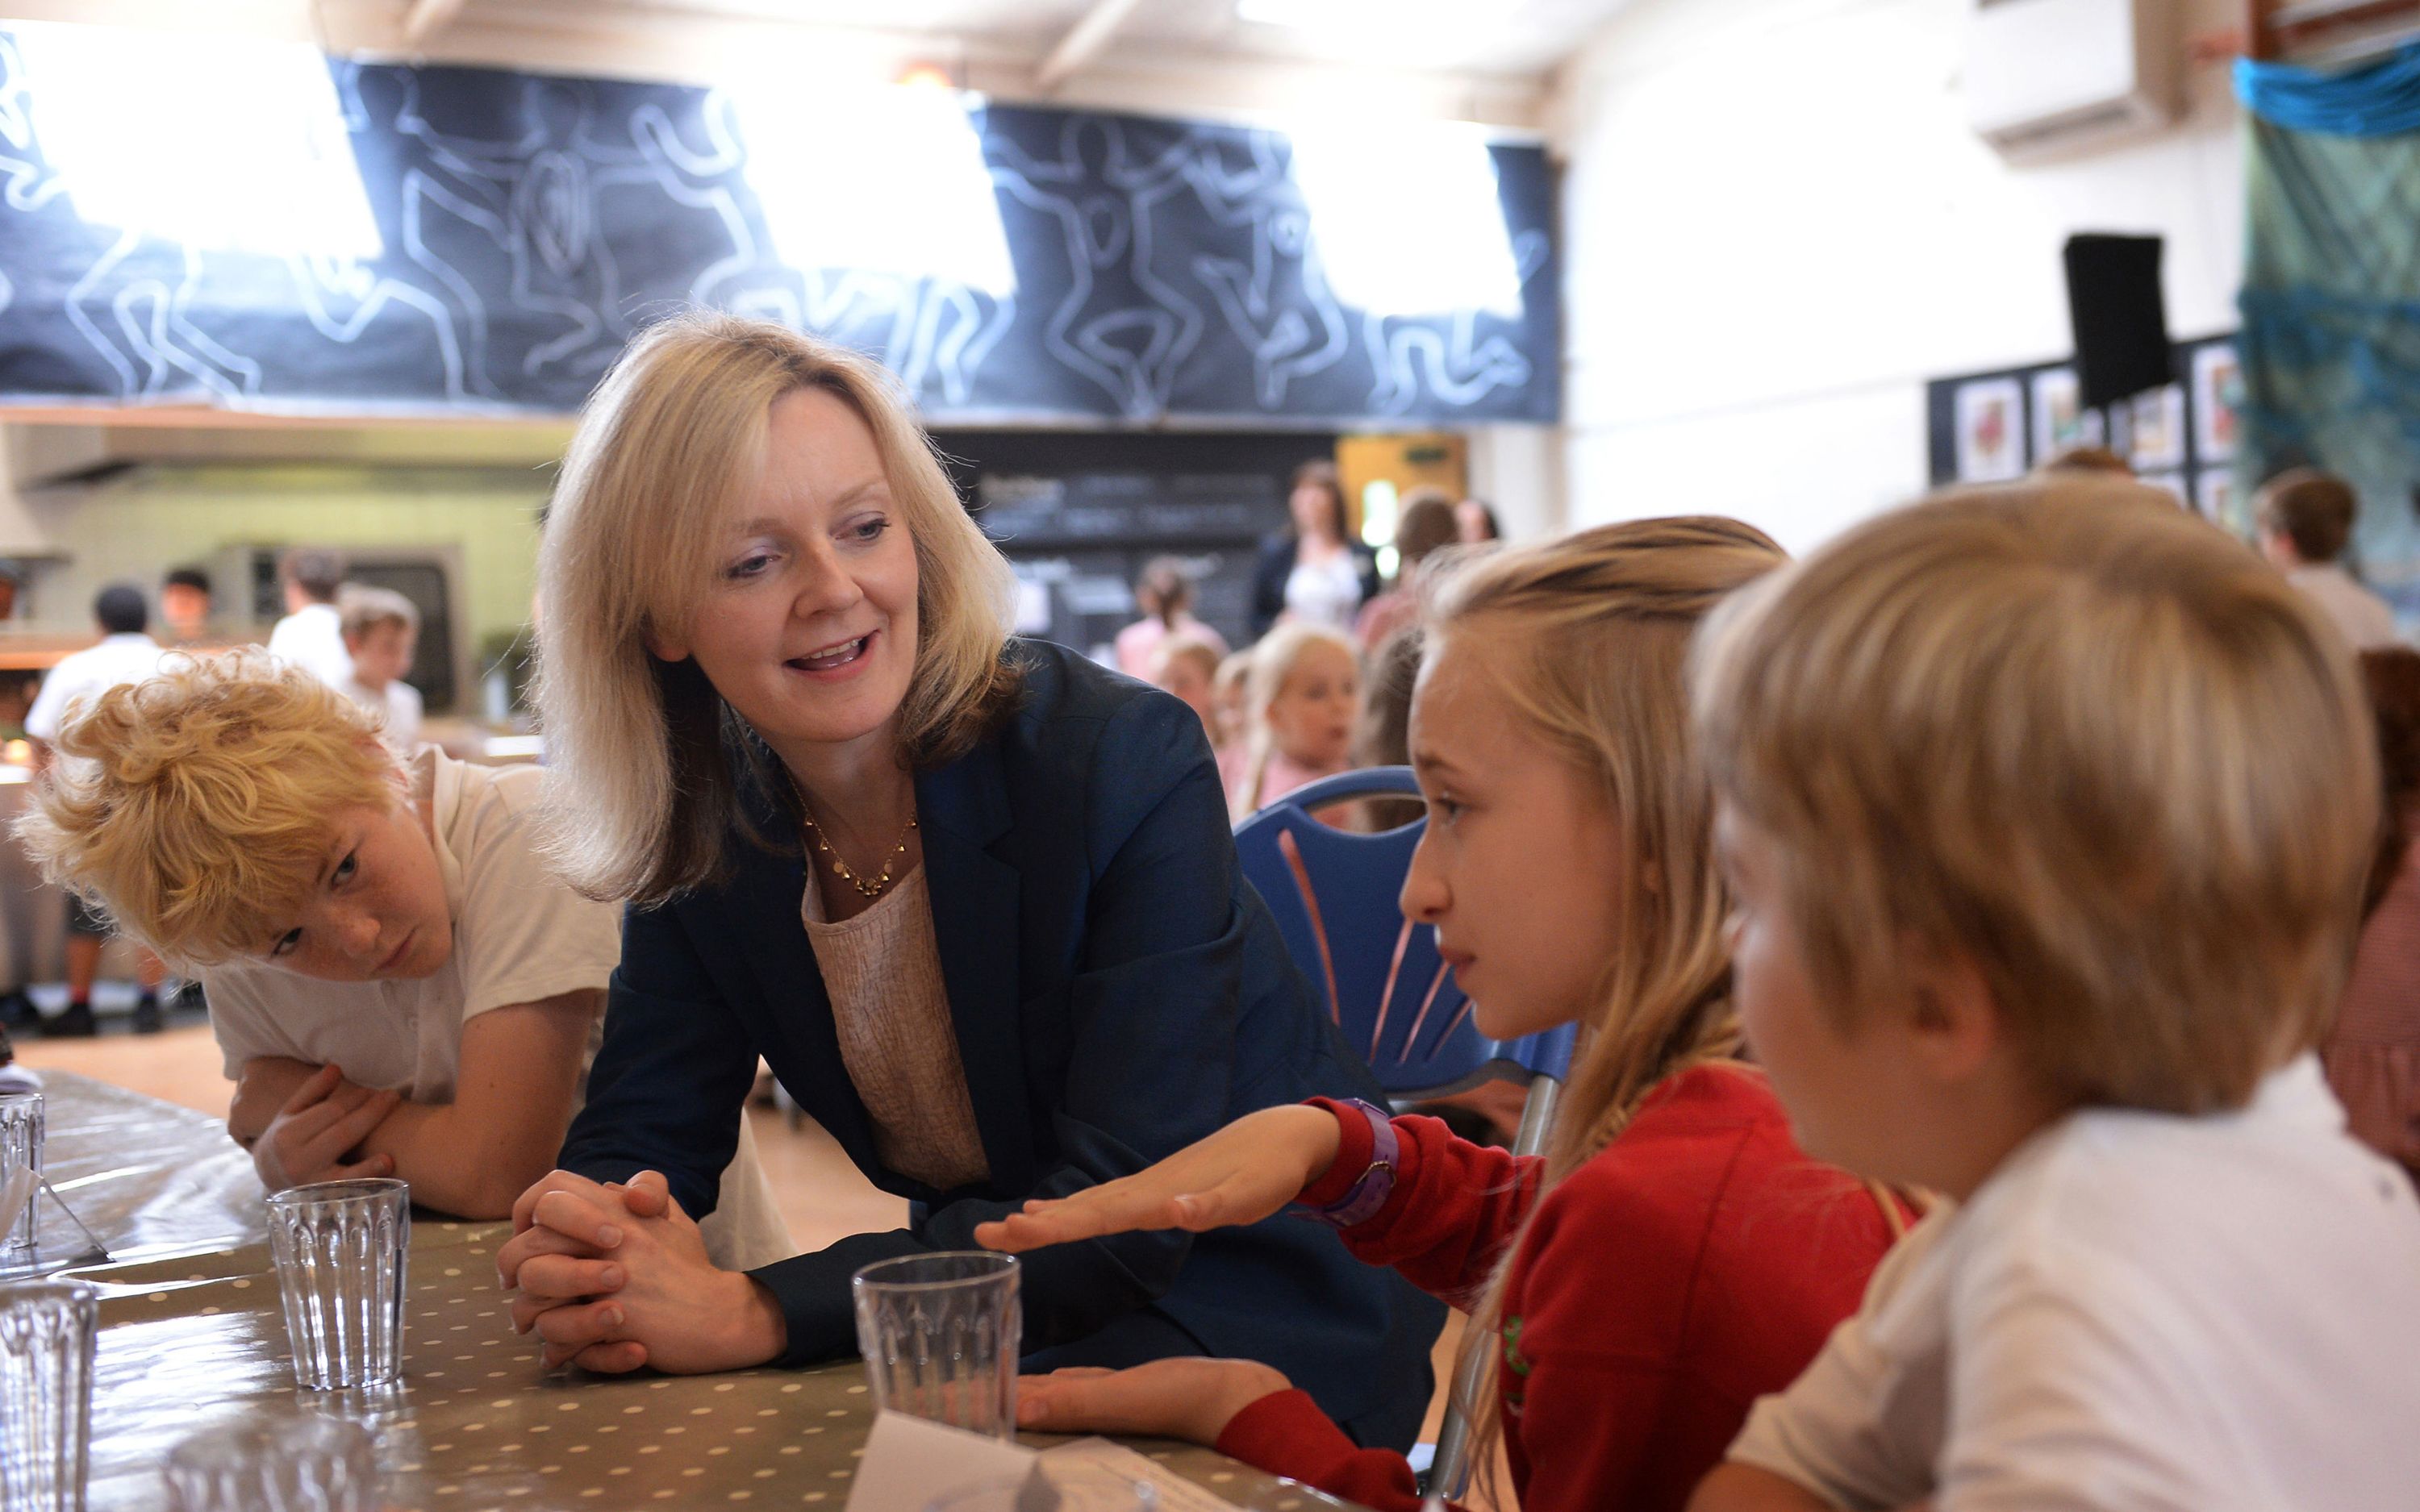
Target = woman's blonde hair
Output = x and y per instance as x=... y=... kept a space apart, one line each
x=1587 y=638
x=643 y=756
x=1274 y=660
x=2080 y=737
x=198 y=806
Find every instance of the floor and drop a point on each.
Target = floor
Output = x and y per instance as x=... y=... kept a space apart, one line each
x=822 y=1194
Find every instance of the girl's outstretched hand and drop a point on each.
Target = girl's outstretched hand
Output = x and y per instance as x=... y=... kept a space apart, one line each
x=1186 y=1398
x=1240 y=1174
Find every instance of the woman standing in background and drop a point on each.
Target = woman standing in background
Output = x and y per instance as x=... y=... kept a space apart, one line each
x=1313 y=571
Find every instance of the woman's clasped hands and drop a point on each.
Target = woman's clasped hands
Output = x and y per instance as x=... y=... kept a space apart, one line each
x=613 y=1276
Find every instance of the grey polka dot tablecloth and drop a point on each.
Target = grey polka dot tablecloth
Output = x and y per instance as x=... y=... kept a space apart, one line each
x=192 y=1335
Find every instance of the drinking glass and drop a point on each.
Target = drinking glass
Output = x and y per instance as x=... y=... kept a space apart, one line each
x=21 y=1149
x=46 y=1341
x=340 y=1249
x=299 y=1464
x=940 y=1334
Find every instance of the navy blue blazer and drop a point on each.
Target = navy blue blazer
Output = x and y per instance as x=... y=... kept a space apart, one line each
x=1119 y=990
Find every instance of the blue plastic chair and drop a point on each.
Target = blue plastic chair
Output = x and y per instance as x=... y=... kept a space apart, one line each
x=1335 y=897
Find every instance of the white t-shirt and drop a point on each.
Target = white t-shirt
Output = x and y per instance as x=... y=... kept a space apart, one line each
x=95 y=669
x=398 y=702
x=1327 y=593
x=313 y=639
x=521 y=935
x=2137 y=1311
x=2361 y=615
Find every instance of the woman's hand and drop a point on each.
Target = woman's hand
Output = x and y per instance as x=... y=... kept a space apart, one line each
x=325 y=1118
x=612 y=1278
x=1240 y=1174
x=1193 y=1399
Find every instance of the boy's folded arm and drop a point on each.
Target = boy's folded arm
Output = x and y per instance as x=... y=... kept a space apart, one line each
x=512 y=1101
x=265 y=1086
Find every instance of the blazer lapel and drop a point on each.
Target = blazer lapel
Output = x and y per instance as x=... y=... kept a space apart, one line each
x=964 y=809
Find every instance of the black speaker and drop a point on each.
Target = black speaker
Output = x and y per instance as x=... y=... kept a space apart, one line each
x=2120 y=319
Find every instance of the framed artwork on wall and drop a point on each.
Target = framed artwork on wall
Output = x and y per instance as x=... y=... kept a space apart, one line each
x=2159 y=430
x=1990 y=431
x=2060 y=419
x=2214 y=494
x=2217 y=389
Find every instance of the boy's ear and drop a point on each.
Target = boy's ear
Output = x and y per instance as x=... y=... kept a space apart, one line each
x=1954 y=1021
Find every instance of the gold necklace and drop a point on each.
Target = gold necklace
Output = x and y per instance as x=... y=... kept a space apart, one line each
x=840 y=868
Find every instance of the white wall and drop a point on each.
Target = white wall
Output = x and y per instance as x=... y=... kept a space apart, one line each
x=1777 y=225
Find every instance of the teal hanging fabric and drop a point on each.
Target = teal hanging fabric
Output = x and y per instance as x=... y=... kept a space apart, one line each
x=2380 y=99
x=2331 y=300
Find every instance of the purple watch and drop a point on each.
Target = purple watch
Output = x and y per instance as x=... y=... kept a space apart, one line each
x=1376 y=1184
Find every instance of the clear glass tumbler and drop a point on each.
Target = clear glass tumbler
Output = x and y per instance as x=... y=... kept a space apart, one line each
x=940 y=1334
x=46 y=1340
x=21 y=1150
x=340 y=1249
x=297 y=1464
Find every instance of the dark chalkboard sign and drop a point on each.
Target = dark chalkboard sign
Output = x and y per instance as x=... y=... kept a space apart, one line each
x=1079 y=515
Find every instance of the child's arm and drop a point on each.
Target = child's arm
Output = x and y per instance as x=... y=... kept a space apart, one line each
x=265 y=1086
x=512 y=1102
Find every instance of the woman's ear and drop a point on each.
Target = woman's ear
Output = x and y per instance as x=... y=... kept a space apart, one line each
x=664 y=647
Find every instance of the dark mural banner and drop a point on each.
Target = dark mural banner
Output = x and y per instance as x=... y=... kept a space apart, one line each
x=304 y=235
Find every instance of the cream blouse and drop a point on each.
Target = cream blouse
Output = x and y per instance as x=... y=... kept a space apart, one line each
x=882 y=971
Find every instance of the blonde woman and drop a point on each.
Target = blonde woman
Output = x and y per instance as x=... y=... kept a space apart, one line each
x=397 y=985
x=973 y=898
x=1674 y=1255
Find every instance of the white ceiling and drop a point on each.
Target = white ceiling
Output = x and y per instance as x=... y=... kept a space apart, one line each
x=1472 y=37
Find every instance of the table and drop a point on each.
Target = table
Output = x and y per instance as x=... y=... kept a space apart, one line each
x=191 y=1334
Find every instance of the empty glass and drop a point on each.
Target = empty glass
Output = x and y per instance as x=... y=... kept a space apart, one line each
x=940 y=1334
x=300 y=1465
x=46 y=1340
x=20 y=1156
x=340 y=1248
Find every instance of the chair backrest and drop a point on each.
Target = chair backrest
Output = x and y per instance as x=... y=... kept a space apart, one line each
x=1334 y=894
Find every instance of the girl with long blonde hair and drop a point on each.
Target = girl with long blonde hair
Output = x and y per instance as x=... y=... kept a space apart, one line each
x=1674 y=1255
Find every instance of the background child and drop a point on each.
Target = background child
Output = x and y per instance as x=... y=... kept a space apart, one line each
x=381 y=630
x=1188 y=665
x=2047 y=809
x=397 y=982
x=1674 y=1254
x=1164 y=596
x=1234 y=721
x=2305 y=518
x=127 y=654
x=312 y=636
x=1302 y=696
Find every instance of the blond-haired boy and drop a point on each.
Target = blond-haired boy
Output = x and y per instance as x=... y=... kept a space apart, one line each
x=2047 y=809
x=397 y=982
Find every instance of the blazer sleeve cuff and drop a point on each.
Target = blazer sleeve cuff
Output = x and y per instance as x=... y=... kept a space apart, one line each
x=813 y=1292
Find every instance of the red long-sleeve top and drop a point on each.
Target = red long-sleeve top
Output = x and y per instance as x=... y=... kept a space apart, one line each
x=1695 y=1264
